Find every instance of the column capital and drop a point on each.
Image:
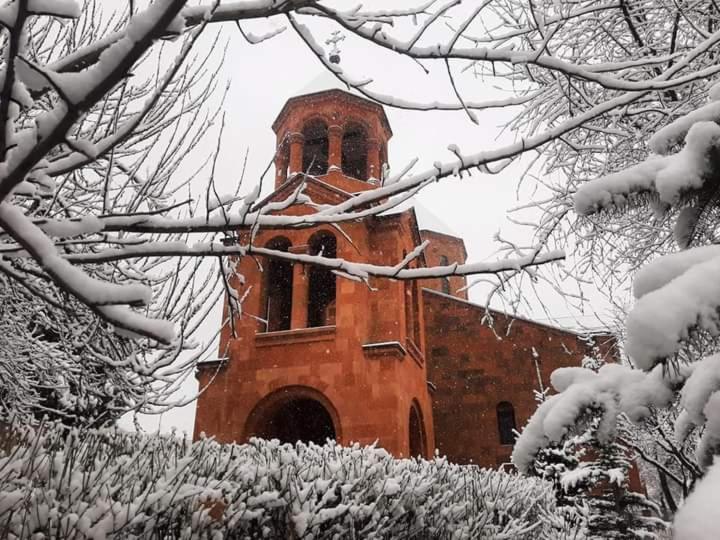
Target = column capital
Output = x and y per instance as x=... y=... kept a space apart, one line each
x=295 y=137
x=335 y=129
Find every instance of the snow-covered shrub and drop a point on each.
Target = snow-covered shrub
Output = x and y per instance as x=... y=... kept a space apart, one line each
x=110 y=483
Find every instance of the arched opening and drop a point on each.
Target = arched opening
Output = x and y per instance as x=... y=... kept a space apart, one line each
x=416 y=432
x=301 y=419
x=506 y=422
x=355 y=152
x=292 y=414
x=315 y=147
x=278 y=289
x=412 y=309
x=444 y=281
x=321 y=283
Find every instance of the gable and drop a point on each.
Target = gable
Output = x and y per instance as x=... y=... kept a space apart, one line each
x=320 y=192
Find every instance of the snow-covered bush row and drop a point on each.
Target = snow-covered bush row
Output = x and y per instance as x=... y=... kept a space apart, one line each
x=113 y=484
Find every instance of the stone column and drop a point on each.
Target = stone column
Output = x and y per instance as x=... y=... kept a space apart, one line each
x=281 y=164
x=296 y=141
x=335 y=134
x=374 y=166
x=298 y=317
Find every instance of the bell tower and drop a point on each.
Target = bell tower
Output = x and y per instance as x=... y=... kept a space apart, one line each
x=316 y=355
x=332 y=134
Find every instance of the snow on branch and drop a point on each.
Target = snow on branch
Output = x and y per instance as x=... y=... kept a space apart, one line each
x=614 y=390
x=668 y=176
x=98 y=295
x=82 y=90
x=662 y=319
x=663 y=270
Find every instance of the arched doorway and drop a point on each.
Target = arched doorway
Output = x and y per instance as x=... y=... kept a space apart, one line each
x=416 y=432
x=294 y=414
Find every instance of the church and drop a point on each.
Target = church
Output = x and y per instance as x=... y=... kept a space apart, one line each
x=410 y=365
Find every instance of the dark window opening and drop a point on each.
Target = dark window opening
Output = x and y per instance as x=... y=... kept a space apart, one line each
x=278 y=289
x=355 y=152
x=444 y=281
x=301 y=419
x=506 y=422
x=417 y=434
x=315 y=148
x=412 y=310
x=321 y=283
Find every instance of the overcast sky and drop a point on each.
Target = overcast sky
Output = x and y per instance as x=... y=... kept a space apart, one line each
x=263 y=76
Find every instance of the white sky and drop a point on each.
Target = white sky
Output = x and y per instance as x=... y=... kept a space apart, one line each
x=262 y=77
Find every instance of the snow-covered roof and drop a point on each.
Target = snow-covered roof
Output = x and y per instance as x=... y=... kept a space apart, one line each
x=427 y=220
x=326 y=81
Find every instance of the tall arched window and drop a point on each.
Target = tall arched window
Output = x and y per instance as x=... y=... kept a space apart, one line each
x=444 y=281
x=278 y=289
x=321 y=282
x=355 y=152
x=506 y=422
x=412 y=309
x=416 y=432
x=315 y=147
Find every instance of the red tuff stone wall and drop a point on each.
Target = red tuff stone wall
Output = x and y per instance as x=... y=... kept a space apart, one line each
x=472 y=369
x=366 y=369
x=450 y=247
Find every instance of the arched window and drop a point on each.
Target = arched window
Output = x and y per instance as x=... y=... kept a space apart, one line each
x=412 y=310
x=506 y=422
x=416 y=432
x=315 y=147
x=278 y=289
x=355 y=152
x=444 y=281
x=321 y=282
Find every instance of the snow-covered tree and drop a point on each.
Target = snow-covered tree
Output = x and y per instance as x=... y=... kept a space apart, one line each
x=100 y=119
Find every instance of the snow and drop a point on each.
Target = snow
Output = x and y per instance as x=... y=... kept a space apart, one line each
x=661 y=319
x=562 y=378
x=663 y=141
x=663 y=270
x=689 y=168
x=324 y=81
x=668 y=176
x=614 y=389
x=328 y=491
x=702 y=382
x=75 y=86
x=697 y=518
x=426 y=219
x=613 y=189
x=56 y=8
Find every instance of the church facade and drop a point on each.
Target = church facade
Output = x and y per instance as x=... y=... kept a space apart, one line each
x=409 y=364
